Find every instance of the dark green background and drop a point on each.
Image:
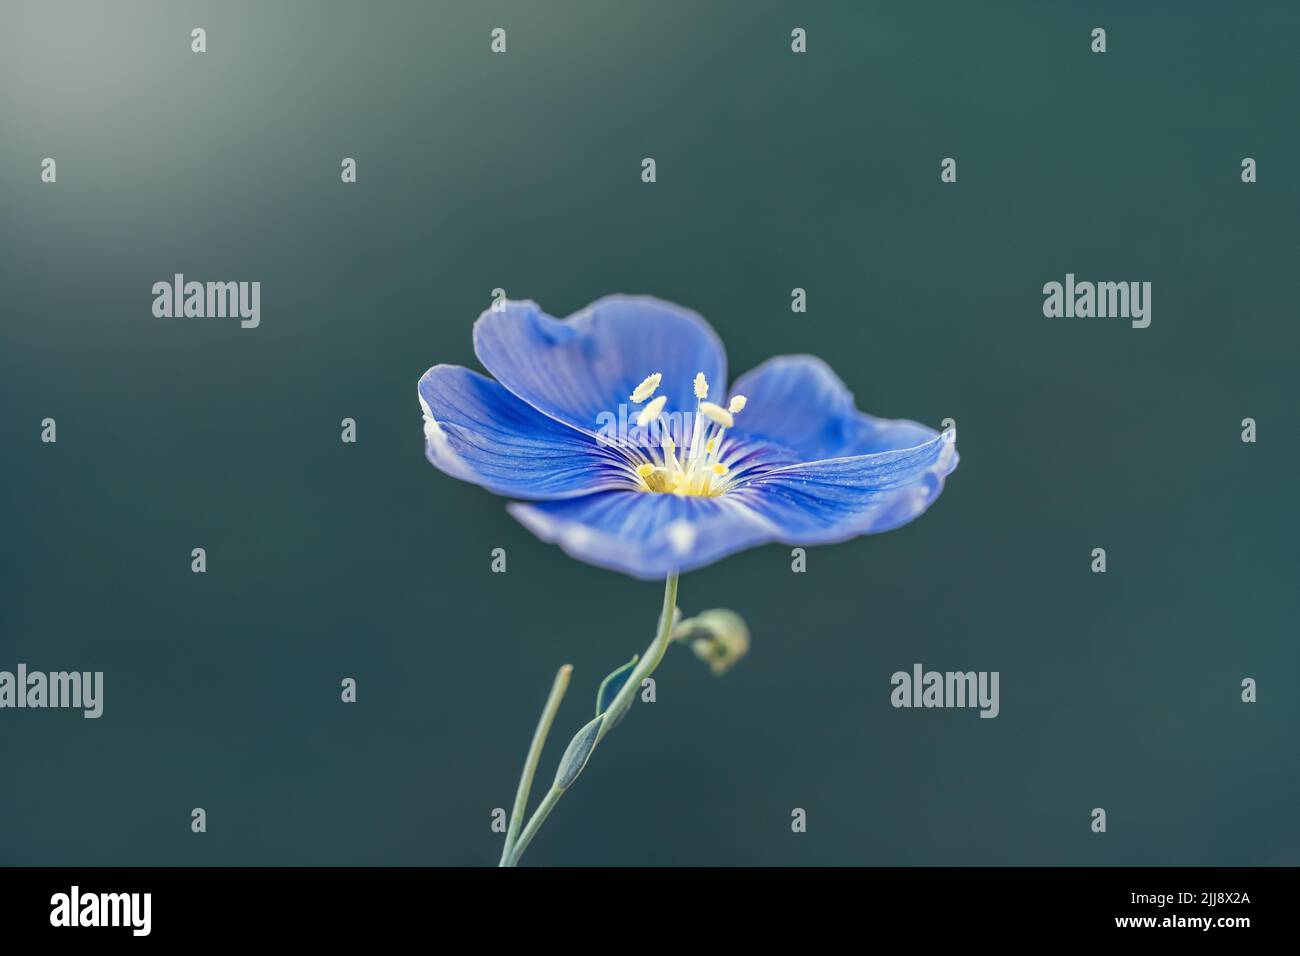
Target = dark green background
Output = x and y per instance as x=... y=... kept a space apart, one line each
x=522 y=171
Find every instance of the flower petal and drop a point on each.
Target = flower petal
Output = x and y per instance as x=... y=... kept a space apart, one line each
x=588 y=365
x=835 y=499
x=642 y=534
x=477 y=431
x=798 y=402
x=648 y=535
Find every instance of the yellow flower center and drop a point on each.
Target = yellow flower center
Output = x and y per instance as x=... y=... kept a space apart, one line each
x=700 y=468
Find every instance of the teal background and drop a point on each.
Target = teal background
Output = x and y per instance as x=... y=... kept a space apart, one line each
x=522 y=171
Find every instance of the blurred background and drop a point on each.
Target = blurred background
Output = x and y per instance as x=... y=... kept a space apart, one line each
x=522 y=171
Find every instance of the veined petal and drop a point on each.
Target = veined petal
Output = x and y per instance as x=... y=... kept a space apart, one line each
x=645 y=535
x=835 y=499
x=477 y=431
x=583 y=368
x=649 y=535
x=799 y=402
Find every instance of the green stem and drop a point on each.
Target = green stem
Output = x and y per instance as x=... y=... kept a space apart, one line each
x=539 y=817
x=558 y=688
x=649 y=660
x=622 y=701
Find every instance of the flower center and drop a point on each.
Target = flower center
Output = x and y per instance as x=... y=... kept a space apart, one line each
x=697 y=468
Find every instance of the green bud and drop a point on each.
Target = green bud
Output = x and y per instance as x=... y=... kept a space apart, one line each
x=718 y=637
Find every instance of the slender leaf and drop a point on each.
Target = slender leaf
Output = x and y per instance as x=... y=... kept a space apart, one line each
x=612 y=684
x=577 y=753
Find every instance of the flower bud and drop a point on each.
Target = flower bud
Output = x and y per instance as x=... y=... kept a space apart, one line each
x=718 y=637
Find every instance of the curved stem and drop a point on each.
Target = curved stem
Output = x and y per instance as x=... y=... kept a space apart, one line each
x=622 y=701
x=649 y=660
x=558 y=688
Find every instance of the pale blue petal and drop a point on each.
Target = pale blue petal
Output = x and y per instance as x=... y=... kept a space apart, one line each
x=580 y=370
x=835 y=499
x=477 y=431
x=642 y=534
x=797 y=401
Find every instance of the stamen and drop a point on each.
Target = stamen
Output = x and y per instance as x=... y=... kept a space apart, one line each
x=670 y=451
x=699 y=470
x=716 y=414
x=648 y=386
x=651 y=411
x=697 y=430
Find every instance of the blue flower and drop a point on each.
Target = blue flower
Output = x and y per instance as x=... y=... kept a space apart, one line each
x=612 y=428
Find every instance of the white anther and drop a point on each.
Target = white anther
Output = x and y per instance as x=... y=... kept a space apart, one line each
x=648 y=386
x=651 y=411
x=717 y=414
